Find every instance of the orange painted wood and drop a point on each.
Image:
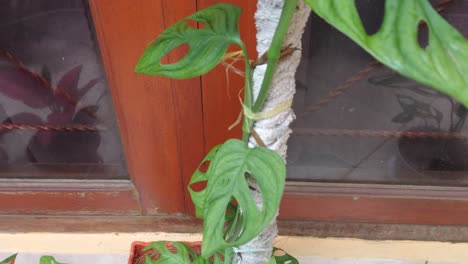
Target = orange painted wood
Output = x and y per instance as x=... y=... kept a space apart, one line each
x=71 y=197
x=221 y=105
x=188 y=103
x=390 y=210
x=160 y=119
x=105 y=202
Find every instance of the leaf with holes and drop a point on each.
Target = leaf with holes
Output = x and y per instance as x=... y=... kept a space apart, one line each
x=284 y=257
x=181 y=253
x=9 y=260
x=207 y=45
x=443 y=64
x=227 y=175
x=198 y=197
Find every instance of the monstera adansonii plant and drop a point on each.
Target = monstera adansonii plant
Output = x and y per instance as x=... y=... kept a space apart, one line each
x=231 y=215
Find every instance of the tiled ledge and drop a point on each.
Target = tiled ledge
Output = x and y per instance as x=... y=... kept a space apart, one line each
x=310 y=249
x=26 y=258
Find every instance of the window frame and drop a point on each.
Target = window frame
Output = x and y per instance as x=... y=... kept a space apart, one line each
x=157 y=118
x=167 y=126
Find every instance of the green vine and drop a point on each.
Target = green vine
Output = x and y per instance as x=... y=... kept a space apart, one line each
x=273 y=56
x=231 y=217
x=274 y=52
x=248 y=93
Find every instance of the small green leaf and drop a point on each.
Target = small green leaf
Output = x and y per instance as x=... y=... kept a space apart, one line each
x=49 y=260
x=207 y=45
x=10 y=260
x=285 y=258
x=442 y=65
x=183 y=254
x=226 y=177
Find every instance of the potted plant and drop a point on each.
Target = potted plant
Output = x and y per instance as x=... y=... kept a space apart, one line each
x=244 y=180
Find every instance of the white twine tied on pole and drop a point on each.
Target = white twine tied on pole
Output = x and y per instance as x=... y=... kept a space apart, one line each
x=248 y=113
x=250 y=250
x=267 y=113
x=238 y=251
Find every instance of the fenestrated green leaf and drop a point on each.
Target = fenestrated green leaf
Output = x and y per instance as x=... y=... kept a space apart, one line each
x=226 y=178
x=183 y=254
x=207 y=45
x=9 y=260
x=284 y=258
x=49 y=260
x=442 y=65
x=198 y=197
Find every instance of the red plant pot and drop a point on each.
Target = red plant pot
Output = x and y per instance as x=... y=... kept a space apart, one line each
x=138 y=256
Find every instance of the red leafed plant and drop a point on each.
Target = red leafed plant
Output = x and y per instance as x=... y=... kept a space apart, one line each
x=50 y=143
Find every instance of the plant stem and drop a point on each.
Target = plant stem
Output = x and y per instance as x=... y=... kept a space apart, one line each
x=248 y=94
x=274 y=52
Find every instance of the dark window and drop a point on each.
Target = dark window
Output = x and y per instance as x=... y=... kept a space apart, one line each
x=360 y=122
x=56 y=112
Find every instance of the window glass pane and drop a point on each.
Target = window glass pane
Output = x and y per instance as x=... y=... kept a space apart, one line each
x=361 y=122
x=56 y=112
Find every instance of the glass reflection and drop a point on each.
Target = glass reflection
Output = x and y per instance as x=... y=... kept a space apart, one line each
x=56 y=113
x=360 y=122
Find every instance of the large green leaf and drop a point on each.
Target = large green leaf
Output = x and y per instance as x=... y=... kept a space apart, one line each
x=442 y=65
x=182 y=254
x=10 y=260
x=226 y=176
x=207 y=45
